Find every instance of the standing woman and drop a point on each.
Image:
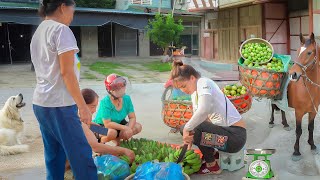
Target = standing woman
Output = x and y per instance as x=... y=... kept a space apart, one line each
x=57 y=97
x=215 y=124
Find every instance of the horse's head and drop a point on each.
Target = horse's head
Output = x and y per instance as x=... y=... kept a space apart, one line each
x=307 y=58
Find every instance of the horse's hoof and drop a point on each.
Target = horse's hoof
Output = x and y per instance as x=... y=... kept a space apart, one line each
x=296 y=158
x=288 y=128
x=315 y=151
x=271 y=125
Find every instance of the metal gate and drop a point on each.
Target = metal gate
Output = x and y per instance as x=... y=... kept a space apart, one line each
x=126 y=41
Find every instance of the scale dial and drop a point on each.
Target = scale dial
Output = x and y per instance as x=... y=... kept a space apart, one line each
x=259 y=168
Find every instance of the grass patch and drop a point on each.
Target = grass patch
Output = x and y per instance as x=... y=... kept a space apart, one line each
x=158 y=66
x=87 y=75
x=106 y=68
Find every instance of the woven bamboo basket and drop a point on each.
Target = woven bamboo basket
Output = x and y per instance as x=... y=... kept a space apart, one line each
x=176 y=113
x=242 y=103
x=262 y=83
x=257 y=40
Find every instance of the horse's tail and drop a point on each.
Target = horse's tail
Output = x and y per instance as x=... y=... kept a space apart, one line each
x=11 y=150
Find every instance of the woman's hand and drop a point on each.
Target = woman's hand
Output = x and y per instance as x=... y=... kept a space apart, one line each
x=85 y=115
x=130 y=154
x=187 y=138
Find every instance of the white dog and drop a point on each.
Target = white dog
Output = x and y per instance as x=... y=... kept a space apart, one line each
x=11 y=126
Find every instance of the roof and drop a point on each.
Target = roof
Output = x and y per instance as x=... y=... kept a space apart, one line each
x=35 y=6
x=133 y=9
x=163 y=10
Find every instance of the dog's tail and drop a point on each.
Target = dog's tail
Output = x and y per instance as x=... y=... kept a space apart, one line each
x=11 y=150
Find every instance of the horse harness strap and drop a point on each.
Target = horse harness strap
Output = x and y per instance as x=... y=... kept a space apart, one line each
x=309 y=80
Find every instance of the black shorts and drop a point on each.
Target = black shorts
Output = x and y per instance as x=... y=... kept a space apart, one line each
x=123 y=122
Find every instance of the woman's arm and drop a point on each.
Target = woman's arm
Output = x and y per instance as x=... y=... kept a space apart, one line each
x=66 y=61
x=112 y=125
x=104 y=148
x=132 y=120
x=205 y=107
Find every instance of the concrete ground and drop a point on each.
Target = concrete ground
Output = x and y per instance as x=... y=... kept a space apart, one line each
x=146 y=98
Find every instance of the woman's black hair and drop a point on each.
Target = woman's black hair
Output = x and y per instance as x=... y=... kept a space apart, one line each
x=48 y=7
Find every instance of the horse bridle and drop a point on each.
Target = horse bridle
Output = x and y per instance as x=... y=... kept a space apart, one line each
x=313 y=62
x=304 y=69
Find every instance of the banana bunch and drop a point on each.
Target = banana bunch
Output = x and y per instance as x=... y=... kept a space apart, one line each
x=149 y=150
x=192 y=162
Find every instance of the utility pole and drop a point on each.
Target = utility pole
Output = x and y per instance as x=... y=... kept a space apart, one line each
x=160 y=5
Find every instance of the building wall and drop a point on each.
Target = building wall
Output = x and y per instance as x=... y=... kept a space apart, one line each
x=89 y=41
x=225 y=31
x=144 y=43
x=299 y=23
x=124 y=4
x=316 y=19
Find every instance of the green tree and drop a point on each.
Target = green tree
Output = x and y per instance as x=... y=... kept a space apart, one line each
x=163 y=30
x=108 y=4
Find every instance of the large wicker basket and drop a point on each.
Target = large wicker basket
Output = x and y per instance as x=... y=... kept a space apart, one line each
x=242 y=103
x=176 y=113
x=262 y=83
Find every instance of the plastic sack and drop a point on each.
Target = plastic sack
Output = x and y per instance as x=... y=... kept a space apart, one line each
x=177 y=94
x=111 y=167
x=159 y=171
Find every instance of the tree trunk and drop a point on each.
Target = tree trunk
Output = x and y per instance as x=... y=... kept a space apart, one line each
x=166 y=50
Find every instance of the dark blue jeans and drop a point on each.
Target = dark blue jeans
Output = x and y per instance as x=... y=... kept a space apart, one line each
x=63 y=138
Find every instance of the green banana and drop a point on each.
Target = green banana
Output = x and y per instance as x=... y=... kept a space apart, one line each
x=188 y=171
x=194 y=161
x=191 y=156
x=189 y=152
x=171 y=157
x=196 y=168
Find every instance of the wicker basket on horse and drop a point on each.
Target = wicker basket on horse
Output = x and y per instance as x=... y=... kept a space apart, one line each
x=262 y=83
x=176 y=113
x=242 y=103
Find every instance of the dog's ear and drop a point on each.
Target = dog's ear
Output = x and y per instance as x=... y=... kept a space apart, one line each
x=11 y=113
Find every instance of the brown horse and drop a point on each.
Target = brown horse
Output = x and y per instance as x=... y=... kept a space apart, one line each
x=304 y=89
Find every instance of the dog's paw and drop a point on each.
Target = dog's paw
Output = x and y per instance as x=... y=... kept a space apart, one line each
x=24 y=147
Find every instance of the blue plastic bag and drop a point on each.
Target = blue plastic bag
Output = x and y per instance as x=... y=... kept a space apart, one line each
x=159 y=171
x=177 y=94
x=111 y=167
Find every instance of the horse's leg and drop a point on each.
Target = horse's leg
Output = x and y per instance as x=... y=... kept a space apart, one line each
x=296 y=156
x=310 y=129
x=271 y=123
x=284 y=121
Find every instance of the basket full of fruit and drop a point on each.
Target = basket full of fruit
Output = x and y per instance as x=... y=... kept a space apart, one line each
x=256 y=50
x=176 y=112
x=239 y=96
x=264 y=80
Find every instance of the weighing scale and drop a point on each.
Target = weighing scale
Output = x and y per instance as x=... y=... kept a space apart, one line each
x=260 y=167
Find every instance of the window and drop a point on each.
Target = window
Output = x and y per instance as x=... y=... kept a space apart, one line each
x=142 y=2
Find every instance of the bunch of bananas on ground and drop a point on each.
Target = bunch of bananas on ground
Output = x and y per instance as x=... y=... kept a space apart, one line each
x=149 y=150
